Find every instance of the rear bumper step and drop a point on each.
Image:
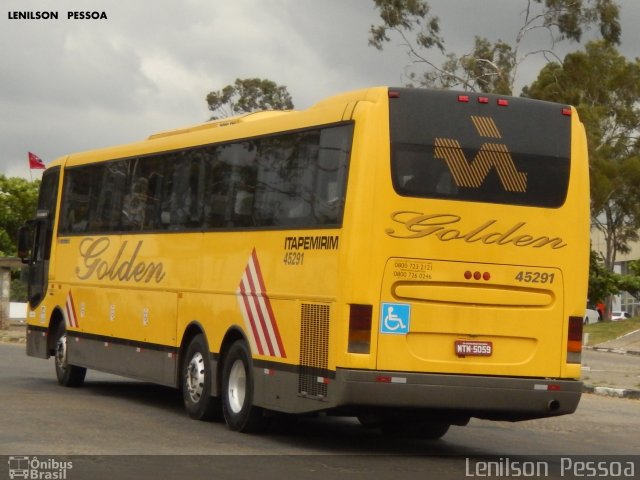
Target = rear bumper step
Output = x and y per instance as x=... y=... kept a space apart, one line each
x=498 y=398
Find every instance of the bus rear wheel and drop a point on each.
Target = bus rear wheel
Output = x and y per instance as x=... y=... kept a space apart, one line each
x=196 y=382
x=237 y=391
x=68 y=375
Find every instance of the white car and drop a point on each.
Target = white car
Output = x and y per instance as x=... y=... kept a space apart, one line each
x=619 y=315
x=591 y=316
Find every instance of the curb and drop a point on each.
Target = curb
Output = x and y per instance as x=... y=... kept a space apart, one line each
x=619 y=351
x=12 y=339
x=612 y=392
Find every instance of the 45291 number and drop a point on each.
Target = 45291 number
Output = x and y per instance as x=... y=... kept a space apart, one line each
x=293 y=258
x=535 y=277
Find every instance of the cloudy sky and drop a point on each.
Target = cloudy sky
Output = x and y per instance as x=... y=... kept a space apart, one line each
x=73 y=85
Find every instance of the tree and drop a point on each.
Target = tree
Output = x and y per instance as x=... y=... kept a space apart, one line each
x=605 y=88
x=630 y=283
x=248 y=95
x=602 y=282
x=18 y=200
x=490 y=66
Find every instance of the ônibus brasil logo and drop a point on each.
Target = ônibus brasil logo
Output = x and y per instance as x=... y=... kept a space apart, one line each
x=38 y=469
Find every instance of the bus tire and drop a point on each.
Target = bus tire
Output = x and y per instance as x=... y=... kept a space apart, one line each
x=68 y=375
x=434 y=430
x=196 y=382
x=237 y=391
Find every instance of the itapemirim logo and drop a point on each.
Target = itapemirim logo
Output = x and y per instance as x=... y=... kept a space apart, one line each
x=491 y=155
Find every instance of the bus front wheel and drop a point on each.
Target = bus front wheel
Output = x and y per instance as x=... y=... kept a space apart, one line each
x=68 y=375
x=237 y=391
x=196 y=382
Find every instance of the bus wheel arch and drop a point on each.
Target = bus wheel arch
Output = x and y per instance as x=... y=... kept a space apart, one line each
x=57 y=318
x=193 y=329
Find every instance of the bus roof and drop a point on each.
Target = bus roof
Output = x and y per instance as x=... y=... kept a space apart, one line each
x=203 y=133
x=223 y=122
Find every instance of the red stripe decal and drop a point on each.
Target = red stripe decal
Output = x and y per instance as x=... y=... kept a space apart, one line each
x=249 y=317
x=257 y=310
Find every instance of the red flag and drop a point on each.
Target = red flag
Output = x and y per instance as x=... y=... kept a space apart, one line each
x=35 y=162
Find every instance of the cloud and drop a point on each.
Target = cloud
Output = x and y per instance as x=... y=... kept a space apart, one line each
x=72 y=85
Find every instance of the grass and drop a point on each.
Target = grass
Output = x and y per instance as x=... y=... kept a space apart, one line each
x=604 y=331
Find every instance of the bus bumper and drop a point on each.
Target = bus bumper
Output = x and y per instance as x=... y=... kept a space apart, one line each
x=496 y=398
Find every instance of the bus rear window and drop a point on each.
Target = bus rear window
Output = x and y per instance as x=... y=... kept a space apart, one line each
x=483 y=152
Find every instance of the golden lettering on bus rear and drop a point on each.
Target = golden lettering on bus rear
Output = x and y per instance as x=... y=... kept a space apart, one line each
x=446 y=227
x=124 y=266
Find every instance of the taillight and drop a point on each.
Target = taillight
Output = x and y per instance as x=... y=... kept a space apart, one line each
x=501 y=102
x=574 y=340
x=360 y=328
x=566 y=111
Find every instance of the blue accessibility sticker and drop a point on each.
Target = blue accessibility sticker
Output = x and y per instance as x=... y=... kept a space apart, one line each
x=395 y=318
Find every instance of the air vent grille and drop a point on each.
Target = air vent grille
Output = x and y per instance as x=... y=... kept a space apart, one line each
x=314 y=350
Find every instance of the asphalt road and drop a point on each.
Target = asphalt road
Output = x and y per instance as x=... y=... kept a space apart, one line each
x=611 y=369
x=114 y=416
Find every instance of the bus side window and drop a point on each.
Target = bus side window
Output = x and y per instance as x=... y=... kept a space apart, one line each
x=244 y=196
x=181 y=197
x=175 y=201
x=241 y=160
x=275 y=196
x=135 y=204
x=331 y=174
x=107 y=193
x=75 y=207
x=216 y=189
x=155 y=175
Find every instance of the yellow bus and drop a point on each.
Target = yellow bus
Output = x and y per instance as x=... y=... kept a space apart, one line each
x=410 y=257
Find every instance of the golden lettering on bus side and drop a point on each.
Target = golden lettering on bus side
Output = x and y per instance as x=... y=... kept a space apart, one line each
x=445 y=227
x=124 y=266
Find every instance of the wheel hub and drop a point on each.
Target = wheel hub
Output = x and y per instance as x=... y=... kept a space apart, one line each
x=195 y=377
x=61 y=352
x=237 y=386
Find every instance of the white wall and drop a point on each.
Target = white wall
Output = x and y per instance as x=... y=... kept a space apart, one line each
x=17 y=311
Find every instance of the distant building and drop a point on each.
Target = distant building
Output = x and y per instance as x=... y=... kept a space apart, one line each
x=625 y=302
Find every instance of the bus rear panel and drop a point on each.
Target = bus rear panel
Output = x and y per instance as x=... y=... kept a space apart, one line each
x=483 y=231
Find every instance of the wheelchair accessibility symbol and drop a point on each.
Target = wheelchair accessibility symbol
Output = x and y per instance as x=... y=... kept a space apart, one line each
x=395 y=317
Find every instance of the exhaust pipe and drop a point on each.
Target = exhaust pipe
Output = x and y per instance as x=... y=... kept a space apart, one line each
x=553 y=405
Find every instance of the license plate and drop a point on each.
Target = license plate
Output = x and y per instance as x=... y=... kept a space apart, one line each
x=466 y=348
